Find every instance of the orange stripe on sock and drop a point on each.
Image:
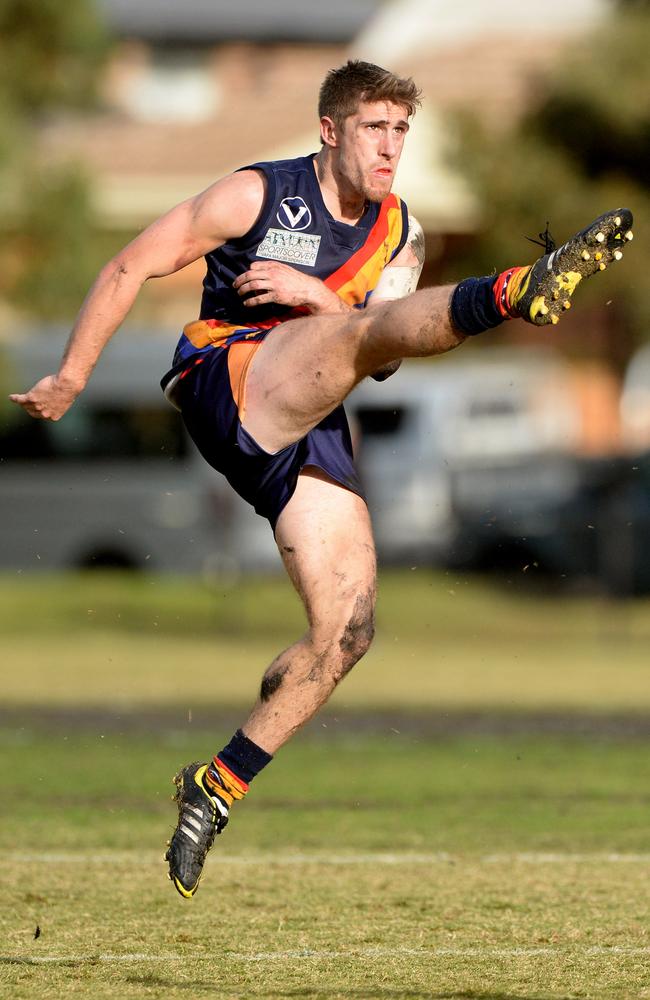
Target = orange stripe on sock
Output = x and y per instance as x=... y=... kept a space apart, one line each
x=506 y=289
x=237 y=782
x=216 y=789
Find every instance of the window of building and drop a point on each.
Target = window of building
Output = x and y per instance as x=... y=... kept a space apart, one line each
x=173 y=85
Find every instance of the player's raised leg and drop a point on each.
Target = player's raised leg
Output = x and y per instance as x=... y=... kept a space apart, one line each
x=306 y=368
x=326 y=543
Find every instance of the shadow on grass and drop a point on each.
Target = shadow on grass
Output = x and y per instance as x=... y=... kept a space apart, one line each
x=307 y=993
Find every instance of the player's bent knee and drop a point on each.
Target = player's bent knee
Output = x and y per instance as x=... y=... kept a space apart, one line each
x=358 y=633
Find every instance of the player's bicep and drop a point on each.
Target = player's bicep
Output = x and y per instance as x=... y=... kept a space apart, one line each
x=226 y=210
x=401 y=276
x=167 y=245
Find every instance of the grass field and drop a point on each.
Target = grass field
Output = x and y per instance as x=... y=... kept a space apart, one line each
x=442 y=643
x=486 y=838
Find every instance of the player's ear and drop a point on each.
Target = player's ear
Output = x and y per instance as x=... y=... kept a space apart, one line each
x=329 y=131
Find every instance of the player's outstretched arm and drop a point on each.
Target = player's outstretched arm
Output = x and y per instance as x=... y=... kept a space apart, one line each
x=224 y=211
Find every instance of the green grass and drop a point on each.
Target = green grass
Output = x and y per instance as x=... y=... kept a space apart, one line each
x=424 y=604
x=442 y=642
x=364 y=867
x=371 y=860
x=521 y=793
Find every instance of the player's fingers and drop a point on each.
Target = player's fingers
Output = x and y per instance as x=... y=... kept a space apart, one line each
x=259 y=300
x=259 y=285
x=244 y=279
x=29 y=405
x=254 y=284
x=34 y=411
x=256 y=288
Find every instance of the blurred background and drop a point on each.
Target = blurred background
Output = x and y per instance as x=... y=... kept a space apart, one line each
x=504 y=704
x=527 y=452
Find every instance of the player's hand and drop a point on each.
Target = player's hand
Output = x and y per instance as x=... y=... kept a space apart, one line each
x=270 y=281
x=49 y=399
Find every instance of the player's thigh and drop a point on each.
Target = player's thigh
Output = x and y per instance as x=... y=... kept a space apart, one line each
x=307 y=366
x=325 y=539
x=301 y=372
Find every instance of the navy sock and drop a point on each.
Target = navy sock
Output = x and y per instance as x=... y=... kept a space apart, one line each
x=473 y=307
x=243 y=757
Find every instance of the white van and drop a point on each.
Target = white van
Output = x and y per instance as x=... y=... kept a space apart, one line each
x=116 y=482
x=449 y=443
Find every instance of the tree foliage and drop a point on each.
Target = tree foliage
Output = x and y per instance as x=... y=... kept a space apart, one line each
x=584 y=148
x=50 y=54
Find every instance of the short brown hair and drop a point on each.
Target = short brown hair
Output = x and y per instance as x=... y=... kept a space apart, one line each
x=344 y=88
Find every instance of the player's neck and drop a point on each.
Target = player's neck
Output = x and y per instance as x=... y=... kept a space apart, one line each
x=343 y=202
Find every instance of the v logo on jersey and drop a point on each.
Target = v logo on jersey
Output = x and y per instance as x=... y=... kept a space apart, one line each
x=294 y=219
x=294 y=214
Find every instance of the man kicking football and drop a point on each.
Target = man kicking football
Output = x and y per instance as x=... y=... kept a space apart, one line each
x=312 y=266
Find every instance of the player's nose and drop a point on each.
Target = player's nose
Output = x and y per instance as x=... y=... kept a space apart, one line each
x=388 y=146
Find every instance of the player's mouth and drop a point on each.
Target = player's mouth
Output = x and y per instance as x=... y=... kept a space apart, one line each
x=383 y=172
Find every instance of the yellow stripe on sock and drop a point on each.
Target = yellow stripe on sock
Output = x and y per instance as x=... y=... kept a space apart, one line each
x=228 y=788
x=518 y=286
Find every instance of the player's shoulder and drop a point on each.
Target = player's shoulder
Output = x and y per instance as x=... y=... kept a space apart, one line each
x=249 y=182
x=415 y=230
x=243 y=190
x=231 y=205
x=400 y=220
x=242 y=185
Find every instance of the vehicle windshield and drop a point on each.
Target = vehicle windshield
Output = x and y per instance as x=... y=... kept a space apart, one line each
x=94 y=432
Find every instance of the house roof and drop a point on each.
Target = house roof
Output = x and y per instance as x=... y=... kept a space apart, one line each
x=402 y=29
x=141 y=167
x=210 y=21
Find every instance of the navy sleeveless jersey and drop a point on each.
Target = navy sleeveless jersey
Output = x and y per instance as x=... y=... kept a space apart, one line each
x=295 y=228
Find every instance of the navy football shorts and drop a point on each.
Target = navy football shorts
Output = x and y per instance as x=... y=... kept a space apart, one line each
x=209 y=396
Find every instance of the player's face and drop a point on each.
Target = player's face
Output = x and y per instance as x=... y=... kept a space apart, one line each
x=370 y=145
